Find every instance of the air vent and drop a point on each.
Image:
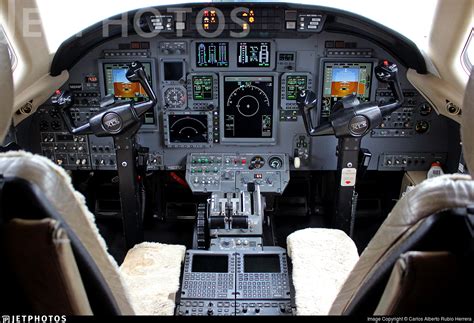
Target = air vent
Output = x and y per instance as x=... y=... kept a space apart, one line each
x=452 y=108
x=26 y=108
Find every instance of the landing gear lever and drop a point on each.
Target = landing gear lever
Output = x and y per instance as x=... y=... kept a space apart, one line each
x=122 y=122
x=350 y=120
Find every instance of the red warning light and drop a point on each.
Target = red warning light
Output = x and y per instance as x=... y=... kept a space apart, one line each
x=385 y=63
x=58 y=92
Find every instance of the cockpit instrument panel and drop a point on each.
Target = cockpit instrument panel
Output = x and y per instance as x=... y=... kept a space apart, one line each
x=212 y=54
x=188 y=129
x=345 y=78
x=248 y=108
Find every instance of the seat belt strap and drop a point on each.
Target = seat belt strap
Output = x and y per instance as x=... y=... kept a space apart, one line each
x=470 y=219
x=2 y=184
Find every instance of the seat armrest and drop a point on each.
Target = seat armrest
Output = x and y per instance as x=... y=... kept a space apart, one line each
x=322 y=260
x=151 y=272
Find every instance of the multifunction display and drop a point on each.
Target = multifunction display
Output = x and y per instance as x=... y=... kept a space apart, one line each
x=188 y=128
x=295 y=83
x=212 y=54
x=253 y=54
x=203 y=87
x=345 y=78
x=248 y=106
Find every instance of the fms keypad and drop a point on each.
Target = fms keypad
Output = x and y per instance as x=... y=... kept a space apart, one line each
x=236 y=283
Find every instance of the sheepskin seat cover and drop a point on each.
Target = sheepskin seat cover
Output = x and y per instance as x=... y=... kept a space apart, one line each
x=147 y=279
x=322 y=260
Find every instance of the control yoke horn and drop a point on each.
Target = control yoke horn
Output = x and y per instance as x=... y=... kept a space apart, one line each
x=349 y=117
x=118 y=117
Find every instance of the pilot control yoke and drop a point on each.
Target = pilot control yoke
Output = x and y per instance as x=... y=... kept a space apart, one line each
x=349 y=121
x=120 y=120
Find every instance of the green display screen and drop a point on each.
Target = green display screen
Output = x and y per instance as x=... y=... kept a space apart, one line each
x=203 y=87
x=295 y=83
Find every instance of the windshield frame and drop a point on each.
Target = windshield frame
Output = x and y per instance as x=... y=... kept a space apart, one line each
x=57 y=28
x=338 y=21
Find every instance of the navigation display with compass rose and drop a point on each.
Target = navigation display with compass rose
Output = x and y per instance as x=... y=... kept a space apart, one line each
x=248 y=106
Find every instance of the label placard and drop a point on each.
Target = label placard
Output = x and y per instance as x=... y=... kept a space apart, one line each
x=348 y=176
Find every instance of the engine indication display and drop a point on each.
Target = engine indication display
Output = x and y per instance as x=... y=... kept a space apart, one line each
x=253 y=54
x=212 y=54
x=203 y=87
x=248 y=107
x=342 y=79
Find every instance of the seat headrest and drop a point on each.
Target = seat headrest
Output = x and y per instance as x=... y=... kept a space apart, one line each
x=6 y=88
x=467 y=125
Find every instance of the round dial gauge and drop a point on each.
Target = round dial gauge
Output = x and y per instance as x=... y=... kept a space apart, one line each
x=275 y=162
x=422 y=126
x=257 y=162
x=425 y=109
x=248 y=100
x=175 y=97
